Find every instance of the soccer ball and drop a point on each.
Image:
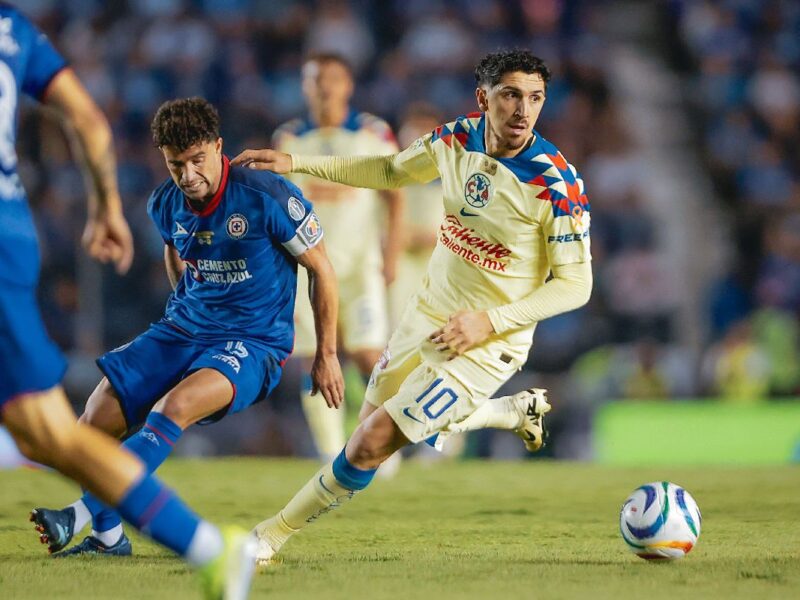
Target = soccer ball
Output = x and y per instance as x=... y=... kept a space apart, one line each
x=660 y=521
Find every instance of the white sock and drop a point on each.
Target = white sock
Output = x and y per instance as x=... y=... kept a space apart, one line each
x=82 y=515
x=110 y=537
x=206 y=545
x=498 y=413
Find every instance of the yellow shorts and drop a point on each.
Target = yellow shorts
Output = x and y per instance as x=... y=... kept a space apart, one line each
x=424 y=392
x=363 y=317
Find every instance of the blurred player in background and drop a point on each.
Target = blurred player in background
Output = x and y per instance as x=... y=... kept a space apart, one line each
x=512 y=250
x=33 y=405
x=423 y=213
x=422 y=216
x=233 y=239
x=354 y=223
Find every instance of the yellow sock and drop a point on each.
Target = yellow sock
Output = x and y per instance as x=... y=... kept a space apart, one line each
x=326 y=425
x=319 y=496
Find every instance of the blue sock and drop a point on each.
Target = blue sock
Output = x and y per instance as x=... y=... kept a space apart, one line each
x=349 y=476
x=152 y=444
x=156 y=511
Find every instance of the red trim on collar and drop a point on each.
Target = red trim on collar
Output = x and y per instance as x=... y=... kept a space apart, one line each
x=214 y=202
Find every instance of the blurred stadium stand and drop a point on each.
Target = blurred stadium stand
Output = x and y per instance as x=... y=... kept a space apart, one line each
x=682 y=116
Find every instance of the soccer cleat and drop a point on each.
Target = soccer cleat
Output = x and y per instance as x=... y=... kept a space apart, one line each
x=228 y=576
x=265 y=550
x=91 y=545
x=55 y=527
x=532 y=405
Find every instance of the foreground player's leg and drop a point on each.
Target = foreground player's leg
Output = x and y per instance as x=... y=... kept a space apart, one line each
x=365 y=360
x=203 y=393
x=377 y=438
x=45 y=429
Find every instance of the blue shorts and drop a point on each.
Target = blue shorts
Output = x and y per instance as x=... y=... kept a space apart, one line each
x=144 y=370
x=29 y=360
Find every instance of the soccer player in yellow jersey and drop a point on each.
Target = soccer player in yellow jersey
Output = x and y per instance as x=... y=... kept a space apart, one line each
x=354 y=219
x=515 y=214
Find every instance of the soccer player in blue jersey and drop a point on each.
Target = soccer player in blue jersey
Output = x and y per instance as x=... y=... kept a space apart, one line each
x=33 y=405
x=233 y=239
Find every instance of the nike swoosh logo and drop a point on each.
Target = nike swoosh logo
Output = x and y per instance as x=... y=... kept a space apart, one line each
x=62 y=532
x=410 y=416
x=464 y=213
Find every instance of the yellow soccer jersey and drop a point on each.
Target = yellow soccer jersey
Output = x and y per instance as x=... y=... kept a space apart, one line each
x=353 y=217
x=507 y=221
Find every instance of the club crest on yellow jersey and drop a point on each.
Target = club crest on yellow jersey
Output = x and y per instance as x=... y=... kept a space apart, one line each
x=478 y=190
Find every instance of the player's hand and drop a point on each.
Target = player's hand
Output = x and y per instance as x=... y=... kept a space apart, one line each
x=326 y=378
x=264 y=160
x=107 y=237
x=463 y=330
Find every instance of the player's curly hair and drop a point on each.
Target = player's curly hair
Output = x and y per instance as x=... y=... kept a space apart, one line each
x=493 y=66
x=185 y=122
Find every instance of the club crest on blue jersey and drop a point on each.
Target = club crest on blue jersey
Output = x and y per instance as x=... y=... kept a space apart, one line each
x=296 y=209
x=236 y=226
x=478 y=190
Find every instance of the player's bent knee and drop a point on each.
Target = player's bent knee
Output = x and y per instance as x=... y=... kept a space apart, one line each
x=103 y=411
x=181 y=407
x=375 y=440
x=176 y=406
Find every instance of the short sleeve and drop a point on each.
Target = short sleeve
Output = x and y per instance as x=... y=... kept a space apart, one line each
x=291 y=219
x=44 y=62
x=418 y=160
x=566 y=226
x=156 y=213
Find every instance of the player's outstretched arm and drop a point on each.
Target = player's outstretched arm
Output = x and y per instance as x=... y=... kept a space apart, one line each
x=107 y=236
x=375 y=172
x=326 y=373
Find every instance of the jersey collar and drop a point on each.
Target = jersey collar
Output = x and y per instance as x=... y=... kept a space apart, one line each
x=214 y=202
x=351 y=122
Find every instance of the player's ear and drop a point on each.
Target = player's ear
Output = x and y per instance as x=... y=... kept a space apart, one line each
x=482 y=97
x=218 y=145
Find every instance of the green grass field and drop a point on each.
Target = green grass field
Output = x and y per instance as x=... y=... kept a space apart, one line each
x=452 y=530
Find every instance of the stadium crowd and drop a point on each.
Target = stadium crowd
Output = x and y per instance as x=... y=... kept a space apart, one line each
x=244 y=56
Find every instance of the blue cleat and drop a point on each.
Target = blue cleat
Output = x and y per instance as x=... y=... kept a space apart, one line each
x=55 y=527
x=91 y=545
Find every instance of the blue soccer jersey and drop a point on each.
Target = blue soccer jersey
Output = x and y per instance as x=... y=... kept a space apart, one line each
x=28 y=63
x=240 y=251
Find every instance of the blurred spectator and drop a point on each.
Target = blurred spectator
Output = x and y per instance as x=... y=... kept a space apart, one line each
x=736 y=368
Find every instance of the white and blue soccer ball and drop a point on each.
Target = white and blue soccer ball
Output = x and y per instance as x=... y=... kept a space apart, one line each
x=660 y=521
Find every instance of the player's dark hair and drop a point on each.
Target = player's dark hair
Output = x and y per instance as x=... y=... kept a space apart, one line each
x=493 y=66
x=329 y=57
x=185 y=122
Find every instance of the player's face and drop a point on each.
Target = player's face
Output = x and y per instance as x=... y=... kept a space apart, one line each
x=196 y=170
x=327 y=85
x=512 y=107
